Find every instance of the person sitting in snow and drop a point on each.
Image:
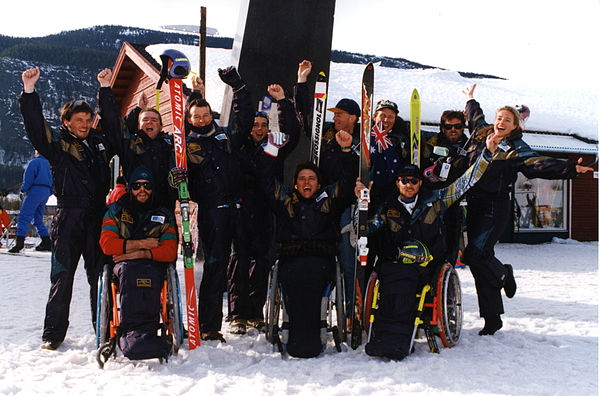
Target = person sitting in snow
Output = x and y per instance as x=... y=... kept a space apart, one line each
x=412 y=213
x=140 y=236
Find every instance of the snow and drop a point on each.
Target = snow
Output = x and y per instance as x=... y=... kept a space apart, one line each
x=548 y=345
x=554 y=107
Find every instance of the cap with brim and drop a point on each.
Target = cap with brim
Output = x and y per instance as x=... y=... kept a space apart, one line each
x=409 y=170
x=386 y=104
x=347 y=105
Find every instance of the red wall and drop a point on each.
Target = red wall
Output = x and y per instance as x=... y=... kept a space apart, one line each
x=584 y=226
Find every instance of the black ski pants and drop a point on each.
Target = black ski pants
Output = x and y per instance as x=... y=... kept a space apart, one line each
x=219 y=228
x=303 y=280
x=261 y=248
x=486 y=221
x=394 y=320
x=75 y=232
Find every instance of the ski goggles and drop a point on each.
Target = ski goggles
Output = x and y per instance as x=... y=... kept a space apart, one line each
x=458 y=126
x=137 y=185
x=406 y=180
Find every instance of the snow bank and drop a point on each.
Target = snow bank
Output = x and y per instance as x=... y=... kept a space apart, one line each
x=548 y=345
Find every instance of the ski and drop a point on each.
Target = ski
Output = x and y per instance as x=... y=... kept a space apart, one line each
x=415 y=128
x=177 y=108
x=362 y=250
x=318 y=120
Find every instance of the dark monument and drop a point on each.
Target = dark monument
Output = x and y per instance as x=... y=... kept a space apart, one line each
x=273 y=37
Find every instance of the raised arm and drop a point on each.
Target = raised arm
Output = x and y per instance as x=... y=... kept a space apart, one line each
x=448 y=195
x=37 y=130
x=288 y=123
x=114 y=129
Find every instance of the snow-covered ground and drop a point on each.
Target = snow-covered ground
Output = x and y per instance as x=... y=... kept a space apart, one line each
x=548 y=345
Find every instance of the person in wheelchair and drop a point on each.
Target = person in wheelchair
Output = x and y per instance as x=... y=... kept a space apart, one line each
x=308 y=234
x=413 y=213
x=140 y=236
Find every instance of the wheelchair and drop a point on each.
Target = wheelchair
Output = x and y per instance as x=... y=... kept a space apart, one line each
x=108 y=313
x=439 y=309
x=277 y=320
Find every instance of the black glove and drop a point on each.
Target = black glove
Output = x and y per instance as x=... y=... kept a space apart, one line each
x=176 y=176
x=231 y=77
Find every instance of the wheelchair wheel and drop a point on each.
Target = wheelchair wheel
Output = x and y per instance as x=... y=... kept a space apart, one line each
x=449 y=296
x=103 y=310
x=174 y=308
x=368 y=303
x=340 y=312
x=272 y=306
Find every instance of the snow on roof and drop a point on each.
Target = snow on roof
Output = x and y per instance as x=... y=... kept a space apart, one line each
x=558 y=109
x=558 y=143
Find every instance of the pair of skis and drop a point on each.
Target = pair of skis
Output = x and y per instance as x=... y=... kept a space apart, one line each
x=177 y=111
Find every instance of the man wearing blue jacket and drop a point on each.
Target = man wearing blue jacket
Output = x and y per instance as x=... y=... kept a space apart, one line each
x=37 y=185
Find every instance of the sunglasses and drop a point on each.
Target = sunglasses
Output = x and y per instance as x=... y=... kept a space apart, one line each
x=137 y=185
x=455 y=126
x=406 y=180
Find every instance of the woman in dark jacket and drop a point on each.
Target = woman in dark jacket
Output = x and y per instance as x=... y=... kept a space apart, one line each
x=489 y=202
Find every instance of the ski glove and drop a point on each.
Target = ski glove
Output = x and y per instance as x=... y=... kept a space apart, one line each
x=231 y=77
x=176 y=176
x=276 y=140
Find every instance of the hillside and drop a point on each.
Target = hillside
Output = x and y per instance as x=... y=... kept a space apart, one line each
x=69 y=62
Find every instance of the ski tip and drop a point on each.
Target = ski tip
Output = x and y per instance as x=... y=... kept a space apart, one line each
x=322 y=74
x=415 y=94
x=369 y=65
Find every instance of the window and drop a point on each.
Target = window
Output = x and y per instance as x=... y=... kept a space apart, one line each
x=540 y=205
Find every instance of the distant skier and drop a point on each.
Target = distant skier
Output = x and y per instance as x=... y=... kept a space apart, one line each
x=79 y=160
x=37 y=185
x=489 y=202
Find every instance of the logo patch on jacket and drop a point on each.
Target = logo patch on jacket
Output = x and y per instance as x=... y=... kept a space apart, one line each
x=126 y=217
x=323 y=195
x=221 y=136
x=158 y=219
x=141 y=282
x=100 y=147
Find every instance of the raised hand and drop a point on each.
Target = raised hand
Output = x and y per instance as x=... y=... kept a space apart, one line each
x=104 y=77
x=143 y=102
x=304 y=69
x=30 y=77
x=492 y=142
x=468 y=92
x=198 y=85
x=276 y=91
x=582 y=169
x=231 y=77
x=344 y=139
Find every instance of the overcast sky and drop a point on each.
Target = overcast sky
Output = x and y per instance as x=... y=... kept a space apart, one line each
x=517 y=39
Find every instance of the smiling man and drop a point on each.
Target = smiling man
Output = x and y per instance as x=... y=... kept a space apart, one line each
x=308 y=233
x=141 y=142
x=79 y=164
x=140 y=236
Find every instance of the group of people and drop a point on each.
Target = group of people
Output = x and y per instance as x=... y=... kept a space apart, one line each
x=247 y=217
